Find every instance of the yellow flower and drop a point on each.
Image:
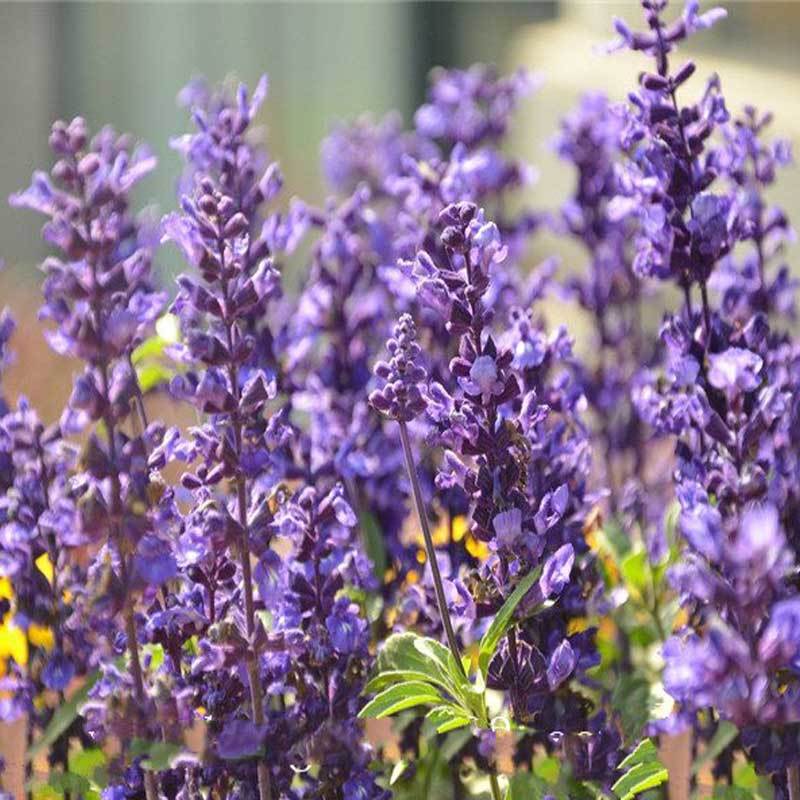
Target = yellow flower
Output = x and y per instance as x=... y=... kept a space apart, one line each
x=41 y=636
x=45 y=566
x=460 y=528
x=476 y=548
x=13 y=643
x=606 y=630
x=577 y=625
x=441 y=533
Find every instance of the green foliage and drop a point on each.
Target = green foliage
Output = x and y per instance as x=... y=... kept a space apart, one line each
x=502 y=621
x=431 y=778
x=415 y=670
x=643 y=771
x=399 y=697
x=149 y=359
x=159 y=754
x=374 y=543
x=62 y=718
x=726 y=732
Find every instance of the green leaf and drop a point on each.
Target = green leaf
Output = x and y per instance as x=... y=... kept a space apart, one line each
x=726 y=732
x=644 y=752
x=631 y=701
x=635 y=570
x=62 y=718
x=397 y=771
x=392 y=676
x=640 y=778
x=547 y=768
x=436 y=651
x=156 y=655
x=159 y=754
x=151 y=375
x=525 y=785
x=399 y=697
x=431 y=778
x=149 y=349
x=64 y=782
x=91 y=764
x=417 y=656
x=448 y=718
x=374 y=543
x=88 y=762
x=502 y=621
x=732 y=793
x=644 y=771
x=44 y=791
x=615 y=540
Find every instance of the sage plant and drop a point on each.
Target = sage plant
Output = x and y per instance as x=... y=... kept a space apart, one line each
x=724 y=393
x=99 y=296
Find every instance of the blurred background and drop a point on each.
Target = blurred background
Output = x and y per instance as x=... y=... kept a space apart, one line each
x=123 y=64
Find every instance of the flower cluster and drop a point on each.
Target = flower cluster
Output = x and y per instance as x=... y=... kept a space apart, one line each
x=315 y=645
x=99 y=294
x=521 y=466
x=607 y=288
x=725 y=390
x=400 y=487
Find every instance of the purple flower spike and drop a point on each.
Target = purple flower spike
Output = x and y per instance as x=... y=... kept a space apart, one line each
x=401 y=396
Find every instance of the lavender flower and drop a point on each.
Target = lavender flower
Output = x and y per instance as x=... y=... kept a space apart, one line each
x=100 y=296
x=219 y=236
x=718 y=396
x=518 y=506
x=400 y=398
x=326 y=658
x=667 y=187
x=608 y=288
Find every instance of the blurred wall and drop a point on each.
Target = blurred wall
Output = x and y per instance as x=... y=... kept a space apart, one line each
x=123 y=64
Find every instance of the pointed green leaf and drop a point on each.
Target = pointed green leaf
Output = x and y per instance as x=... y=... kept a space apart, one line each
x=635 y=569
x=643 y=752
x=374 y=543
x=399 y=697
x=726 y=732
x=397 y=771
x=392 y=676
x=403 y=652
x=62 y=718
x=639 y=779
x=448 y=718
x=502 y=620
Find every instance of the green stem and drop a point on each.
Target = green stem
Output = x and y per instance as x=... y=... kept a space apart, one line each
x=495 y=784
x=429 y=548
x=437 y=576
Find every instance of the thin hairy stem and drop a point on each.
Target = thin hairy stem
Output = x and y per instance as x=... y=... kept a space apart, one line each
x=495 y=784
x=253 y=675
x=429 y=548
x=437 y=576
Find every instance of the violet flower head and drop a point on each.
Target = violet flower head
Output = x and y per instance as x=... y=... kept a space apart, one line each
x=471 y=106
x=519 y=469
x=661 y=38
x=755 y=278
x=7 y=326
x=666 y=186
x=100 y=296
x=326 y=655
x=401 y=396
